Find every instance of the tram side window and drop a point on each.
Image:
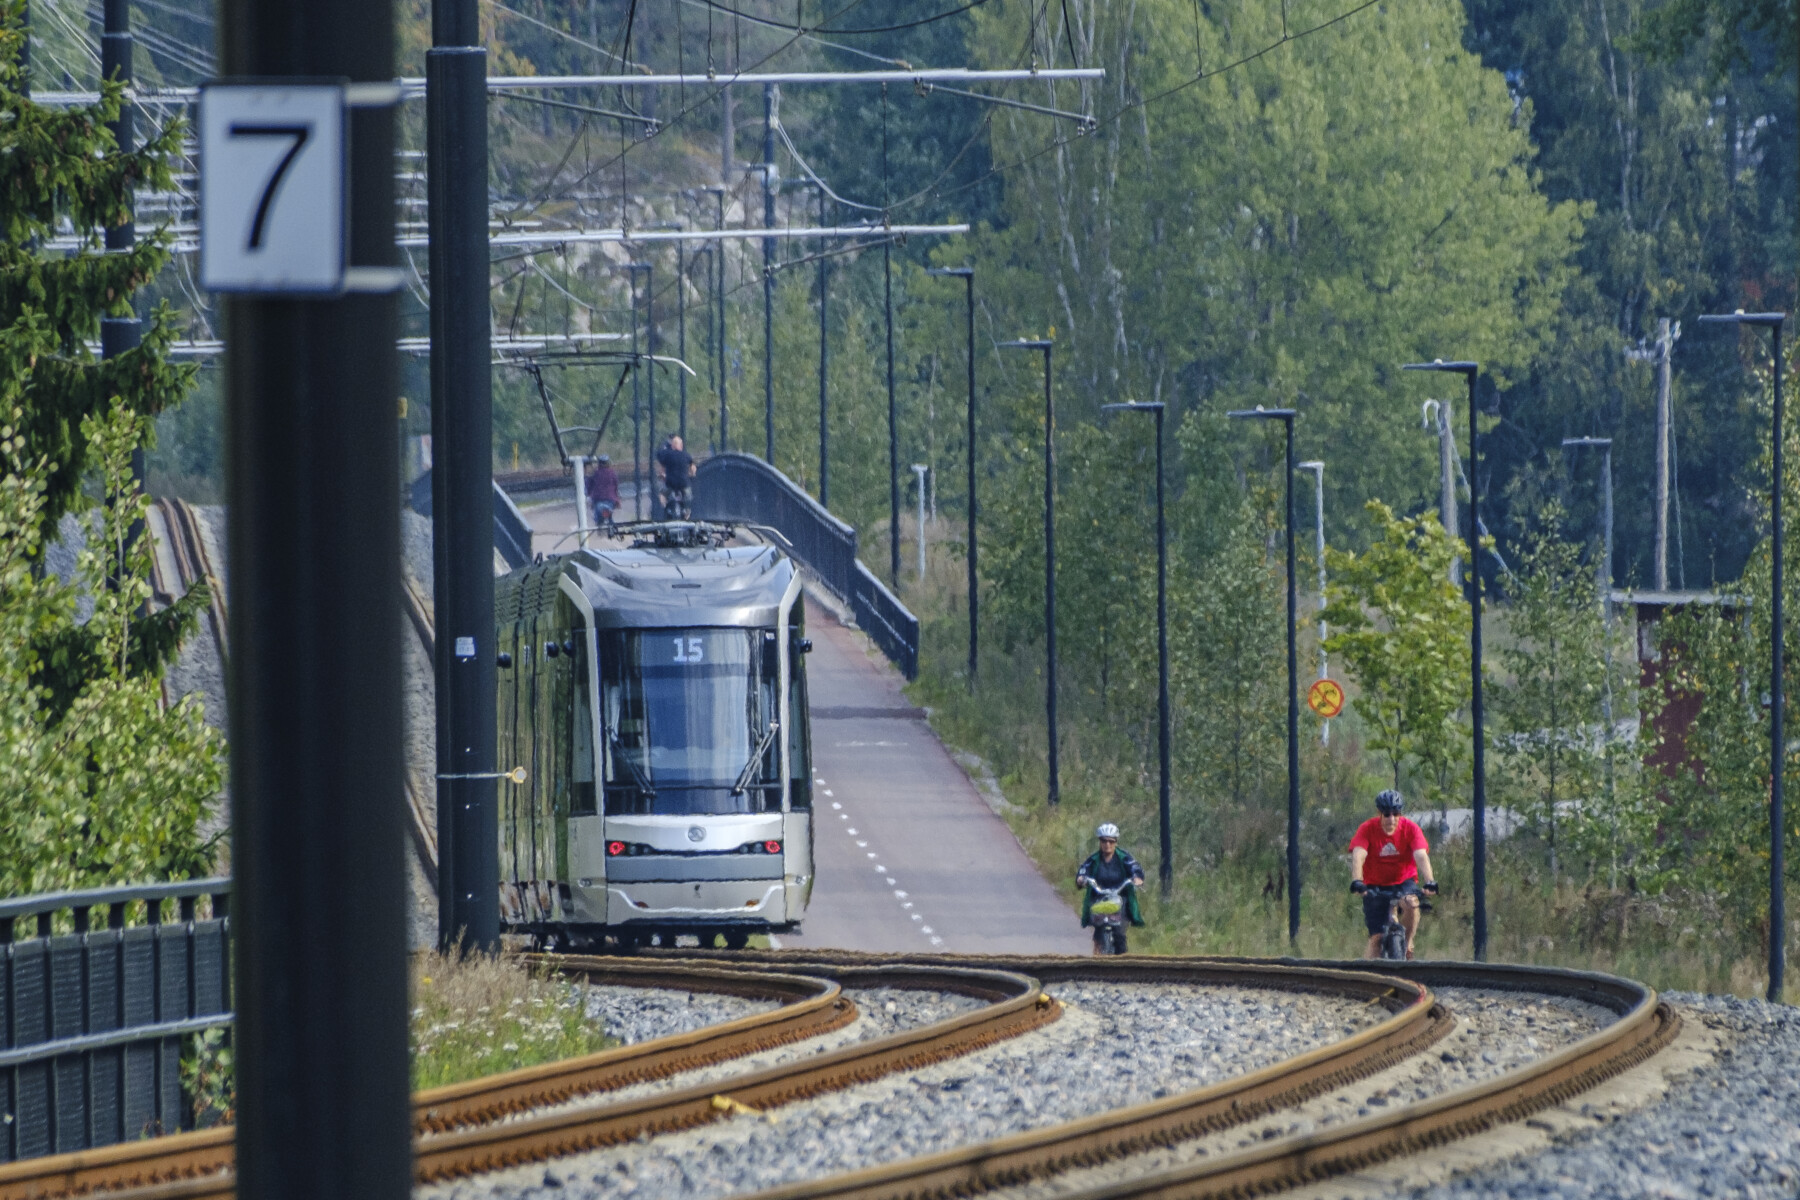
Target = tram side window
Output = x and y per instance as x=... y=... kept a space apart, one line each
x=582 y=799
x=799 y=738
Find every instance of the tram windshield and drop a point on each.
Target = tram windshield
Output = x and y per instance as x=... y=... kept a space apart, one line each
x=687 y=717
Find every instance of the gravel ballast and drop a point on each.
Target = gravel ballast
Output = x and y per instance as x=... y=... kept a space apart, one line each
x=1731 y=1128
x=635 y=1015
x=1115 y=1045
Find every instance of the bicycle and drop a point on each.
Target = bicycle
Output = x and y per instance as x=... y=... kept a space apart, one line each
x=1393 y=934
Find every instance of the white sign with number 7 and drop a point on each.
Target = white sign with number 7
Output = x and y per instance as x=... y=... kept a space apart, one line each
x=272 y=188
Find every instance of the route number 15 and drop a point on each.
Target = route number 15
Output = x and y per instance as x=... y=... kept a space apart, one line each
x=272 y=190
x=689 y=650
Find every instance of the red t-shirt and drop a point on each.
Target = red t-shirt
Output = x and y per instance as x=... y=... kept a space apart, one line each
x=1390 y=860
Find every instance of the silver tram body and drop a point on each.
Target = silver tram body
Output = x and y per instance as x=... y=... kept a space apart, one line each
x=657 y=698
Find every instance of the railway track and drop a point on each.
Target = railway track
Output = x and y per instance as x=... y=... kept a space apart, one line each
x=488 y=1124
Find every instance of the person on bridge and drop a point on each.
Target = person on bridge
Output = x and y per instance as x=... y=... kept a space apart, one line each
x=1108 y=867
x=603 y=491
x=677 y=467
x=1389 y=851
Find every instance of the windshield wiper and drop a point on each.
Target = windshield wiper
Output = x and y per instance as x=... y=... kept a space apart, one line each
x=637 y=773
x=756 y=756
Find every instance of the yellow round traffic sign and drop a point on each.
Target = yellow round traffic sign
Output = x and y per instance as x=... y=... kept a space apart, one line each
x=1326 y=697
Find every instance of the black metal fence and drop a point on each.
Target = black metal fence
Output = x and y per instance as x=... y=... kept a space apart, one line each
x=742 y=487
x=100 y=989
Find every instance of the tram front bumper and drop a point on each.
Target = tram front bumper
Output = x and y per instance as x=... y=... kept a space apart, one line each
x=715 y=902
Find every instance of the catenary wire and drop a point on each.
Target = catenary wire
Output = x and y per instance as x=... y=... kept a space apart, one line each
x=935 y=17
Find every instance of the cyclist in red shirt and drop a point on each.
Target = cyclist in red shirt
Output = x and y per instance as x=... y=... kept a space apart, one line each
x=1389 y=852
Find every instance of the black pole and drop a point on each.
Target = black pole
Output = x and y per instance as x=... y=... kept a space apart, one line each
x=1166 y=871
x=647 y=368
x=637 y=408
x=1475 y=712
x=974 y=577
x=312 y=476
x=824 y=367
x=724 y=341
x=119 y=334
x=1055 y=793
x=462 y=477
x=681 y=332
x=1777 y=736
x=1293 y=707
x=887 y=298
x=768 y=172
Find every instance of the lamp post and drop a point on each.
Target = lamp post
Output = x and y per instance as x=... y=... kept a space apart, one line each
x=1166 y=869
x=1286 y=417
x=1054 y=796
x=1777 y=901
x=967 y=275
x=1469 y=371
x=920 y=471
x=824 y=364
x=1604 y=581
x=1318 y=473
x=637 y=482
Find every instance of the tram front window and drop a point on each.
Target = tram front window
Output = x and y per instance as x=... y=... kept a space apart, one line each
x=686 y=713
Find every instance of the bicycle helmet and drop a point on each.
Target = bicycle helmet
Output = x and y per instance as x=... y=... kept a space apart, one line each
x=1108 y=830
x=1389 y=803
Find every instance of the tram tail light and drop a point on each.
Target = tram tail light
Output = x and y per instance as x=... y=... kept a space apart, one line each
x=773 y=847
x=614 y=849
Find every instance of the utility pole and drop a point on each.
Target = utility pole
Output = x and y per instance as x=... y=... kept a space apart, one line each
x=1437 y=418
x=312 y=479
x=724 y=342
x=462 y=482
x=1666 y=333
x=768 y=186
x=681 y=332
x=824 y=365
x=920 y=470
x=1318 y=473
x=1053 y=796
x=637 y=460
x=120 y=334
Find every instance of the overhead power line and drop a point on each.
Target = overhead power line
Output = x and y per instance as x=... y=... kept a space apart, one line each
x=755 y=20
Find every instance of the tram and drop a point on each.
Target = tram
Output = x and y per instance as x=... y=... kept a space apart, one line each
x=656 y=696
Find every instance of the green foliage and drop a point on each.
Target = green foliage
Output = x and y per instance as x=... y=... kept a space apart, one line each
x=1555 y=763
x=481 y=1015
x=1715 y=819
x=1403 y=628
x=99 y=782
x=209 y=1080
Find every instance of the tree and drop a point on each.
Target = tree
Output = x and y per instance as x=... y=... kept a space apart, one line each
x=1549 y=736
x=1402 y=628
x=98 y=782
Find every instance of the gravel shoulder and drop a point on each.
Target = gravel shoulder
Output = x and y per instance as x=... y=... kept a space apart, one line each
x=1114 y=1045
x=1496 y=1032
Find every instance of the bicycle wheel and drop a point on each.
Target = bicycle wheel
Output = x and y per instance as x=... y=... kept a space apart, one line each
x=1393 y=941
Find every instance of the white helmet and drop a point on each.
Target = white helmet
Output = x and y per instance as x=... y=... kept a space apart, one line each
x=1108 y=830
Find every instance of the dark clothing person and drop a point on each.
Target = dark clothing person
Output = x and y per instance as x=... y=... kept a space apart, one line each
x=1376 y=907
x=1110 y=874
x=603 y=485
x=677 y=467
x=603 y=493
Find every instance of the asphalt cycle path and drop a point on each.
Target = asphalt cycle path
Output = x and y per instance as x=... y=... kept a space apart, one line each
x=908 y=856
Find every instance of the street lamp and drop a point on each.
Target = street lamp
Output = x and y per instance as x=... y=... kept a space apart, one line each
x=1469 y=371
x=824 y=362
x=1166 y=871
x=1286 y=417
x=1055 y=793
x=1605 y=582
x=637 y=483
x=967 y=275
x=1777 y=902
x=1318 y=474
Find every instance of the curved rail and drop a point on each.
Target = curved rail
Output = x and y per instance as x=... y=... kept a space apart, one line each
x=810 y=1006
x=1645 y=1026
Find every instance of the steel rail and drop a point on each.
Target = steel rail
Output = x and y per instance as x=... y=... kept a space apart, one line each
x=197 y=1166
x=1645 y=1026
x=200 y=1161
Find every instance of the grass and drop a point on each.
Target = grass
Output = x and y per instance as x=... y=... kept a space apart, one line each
x=480 y=1016
x=1229 y=894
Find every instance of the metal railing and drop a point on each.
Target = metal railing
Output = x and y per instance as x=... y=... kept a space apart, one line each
x=94 y=1015
x=744 y=488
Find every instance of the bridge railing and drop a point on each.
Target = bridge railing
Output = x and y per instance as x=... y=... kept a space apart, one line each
x=99 y=991
x=742 y=487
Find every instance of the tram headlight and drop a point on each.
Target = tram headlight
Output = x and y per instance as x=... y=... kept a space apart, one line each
x=772 y=846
